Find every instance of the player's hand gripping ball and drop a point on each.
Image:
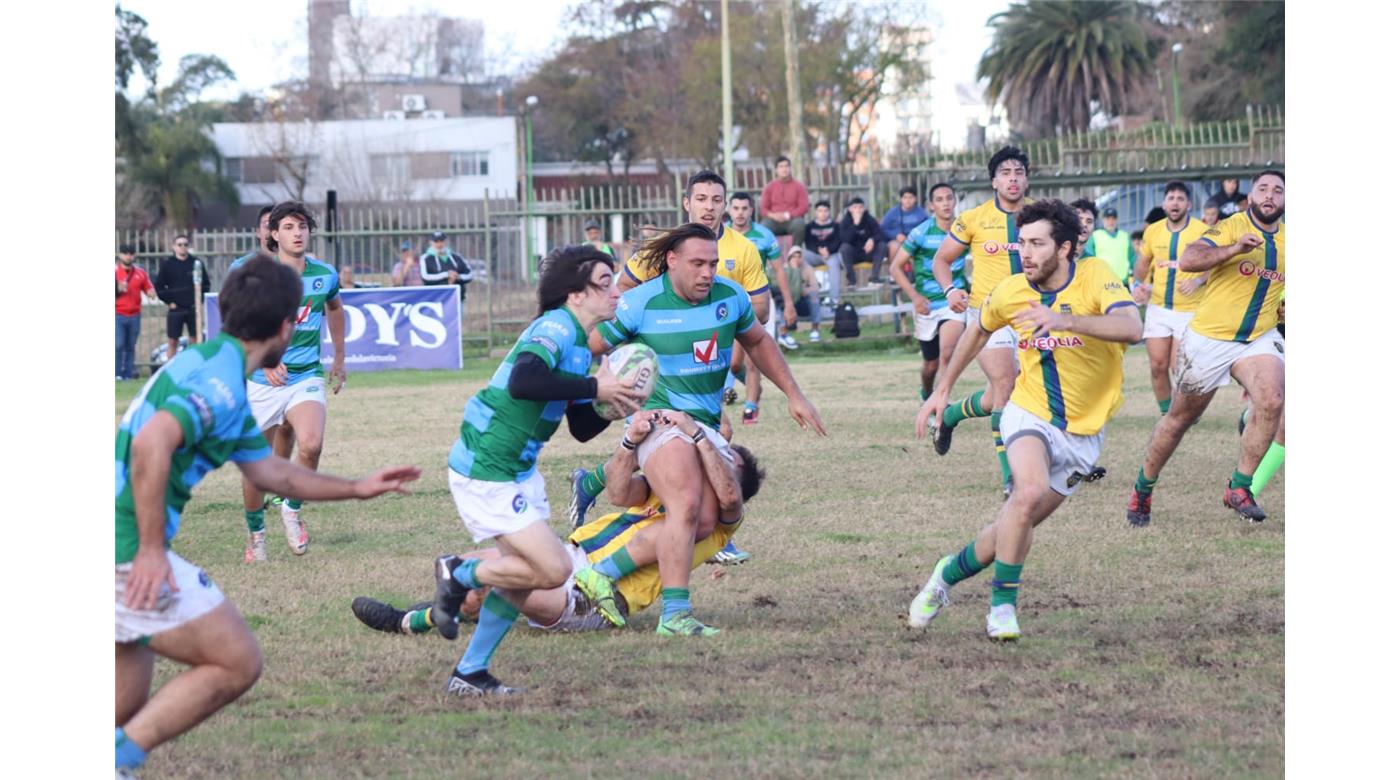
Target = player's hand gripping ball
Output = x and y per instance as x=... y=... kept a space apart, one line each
x=635 y=367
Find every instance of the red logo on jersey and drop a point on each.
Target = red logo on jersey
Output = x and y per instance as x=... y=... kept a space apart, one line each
x=706 y=351
x=1250 y=269
x=992 y=247
x=304 y=313
x=1050 y=342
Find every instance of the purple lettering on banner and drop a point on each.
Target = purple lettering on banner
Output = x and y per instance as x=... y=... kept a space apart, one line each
x=389 y=327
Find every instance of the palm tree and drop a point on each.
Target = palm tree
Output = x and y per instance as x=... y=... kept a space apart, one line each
x=1051 y=60
x=176 y=170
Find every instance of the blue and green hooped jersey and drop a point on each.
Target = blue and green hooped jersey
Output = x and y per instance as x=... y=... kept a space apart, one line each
x=319 y=283
x=501 y=436
x=922 y=244
x=693 y=341
x=204 y=388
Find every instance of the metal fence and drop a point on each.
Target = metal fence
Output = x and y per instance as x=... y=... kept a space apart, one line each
x=492 y=234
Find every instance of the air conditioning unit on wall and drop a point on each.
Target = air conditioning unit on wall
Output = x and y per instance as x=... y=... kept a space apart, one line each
x=433 y=115
x=394 y=115
x=414 y=103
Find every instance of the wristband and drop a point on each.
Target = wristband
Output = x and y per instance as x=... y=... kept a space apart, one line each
x=699 y=435
x=627 y=444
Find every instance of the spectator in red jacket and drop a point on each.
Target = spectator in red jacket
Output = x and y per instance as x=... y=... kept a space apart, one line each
x=783 y=204
x=132 y=281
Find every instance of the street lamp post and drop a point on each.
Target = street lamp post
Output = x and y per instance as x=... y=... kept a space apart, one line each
x=530 y=103
x=1176 y=83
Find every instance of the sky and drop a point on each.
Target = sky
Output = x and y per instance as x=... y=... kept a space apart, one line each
x=517 y=33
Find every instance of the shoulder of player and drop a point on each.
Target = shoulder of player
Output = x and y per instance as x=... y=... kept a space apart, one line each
x=733 y=287
x=314 y=265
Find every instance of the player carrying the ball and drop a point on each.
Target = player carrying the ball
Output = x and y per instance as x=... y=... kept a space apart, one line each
x=492 y=470
x=1070 y=319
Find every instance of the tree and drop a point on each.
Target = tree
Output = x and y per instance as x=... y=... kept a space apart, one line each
x=1053 y=63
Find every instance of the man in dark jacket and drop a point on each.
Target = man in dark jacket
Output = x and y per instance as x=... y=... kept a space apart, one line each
x=175 y=286
x=440 y=265
x=861 y=240
x=822 y=246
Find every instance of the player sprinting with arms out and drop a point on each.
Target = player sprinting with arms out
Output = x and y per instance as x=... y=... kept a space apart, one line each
x=293 y=392
x=1170 y=293
x=492 y=469
x=191 y=418
x=1233 y=334
x=988 y=232
x=1070 y=319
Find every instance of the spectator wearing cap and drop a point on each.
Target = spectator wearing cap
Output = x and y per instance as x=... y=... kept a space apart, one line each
x=406 y=271
x=862 y=241
x=440 y=265
x=132 y=281
x=802 y=281
x=783 y=204
x=899 y=221
x=1111 y=245
x=593 y=234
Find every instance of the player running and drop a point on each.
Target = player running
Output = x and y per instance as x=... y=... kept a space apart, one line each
x=189 y=419
x=691 y=318
x=1071 y=318
x=1233 y=334
x=1170 y=293
x=988 y=233
x=492 y=470
x=293 y=392
x=621 y=545
x=936 y=325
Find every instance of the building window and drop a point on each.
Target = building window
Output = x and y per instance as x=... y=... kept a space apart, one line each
x=391 y=167
x=233 y=169
x=470 y=164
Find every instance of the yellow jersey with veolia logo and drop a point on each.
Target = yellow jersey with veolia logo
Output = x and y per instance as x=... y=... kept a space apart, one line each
x=989 y=232
x=738 y=261
x=1163 y=247
x=1072 y=381
x=1242 y=297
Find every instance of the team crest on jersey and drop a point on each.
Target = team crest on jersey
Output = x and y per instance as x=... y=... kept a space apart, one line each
x=721 y=311
x=517 y=504
x=729 y=264
x=318 y=284
x=1064 y=309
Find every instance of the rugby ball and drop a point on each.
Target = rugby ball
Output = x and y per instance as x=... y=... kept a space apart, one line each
x=634 y=365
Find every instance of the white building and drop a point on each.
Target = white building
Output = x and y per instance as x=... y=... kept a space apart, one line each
x=371 y=161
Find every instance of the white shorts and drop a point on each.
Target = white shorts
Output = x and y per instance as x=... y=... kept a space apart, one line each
x=659 y=437
x=1203 y=364
x=197 y=595
x=491 y=509
x=1002 y=338
x=926 y=325
x=1163 y=323
x=772 y=324
x=579 y=614
x=270 y=404
x=1072 y=456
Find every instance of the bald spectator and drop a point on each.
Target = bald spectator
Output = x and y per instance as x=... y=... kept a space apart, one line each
x=783 y=204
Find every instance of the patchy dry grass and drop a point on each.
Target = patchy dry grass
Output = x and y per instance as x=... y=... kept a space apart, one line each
x=1156 y=652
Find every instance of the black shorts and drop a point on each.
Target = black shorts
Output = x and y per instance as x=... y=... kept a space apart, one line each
x=930 y=348
x=175 y=319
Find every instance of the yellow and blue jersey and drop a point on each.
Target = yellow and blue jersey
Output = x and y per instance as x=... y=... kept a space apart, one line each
x=739 y=262
x=1072 y=381
x=989 y=233
x=1162 y=247
x=1242 y=297
x=610 y=533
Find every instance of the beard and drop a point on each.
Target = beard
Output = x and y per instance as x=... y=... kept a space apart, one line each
x=1263 y=220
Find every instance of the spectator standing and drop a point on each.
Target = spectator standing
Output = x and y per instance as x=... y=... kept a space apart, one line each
x=406 y=271
x=784 y=204
x=132 y=281
x=822 y=246
x=898 y=222
x=1111 y=245
x=861 y=238
x=175 y=286
x=440 y=265
x=593 y=235
x=1228 y=200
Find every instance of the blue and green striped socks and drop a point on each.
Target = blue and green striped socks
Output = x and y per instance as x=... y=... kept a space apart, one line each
x=1006 y=583
x=617 y=565
x=496 y=618
x=673 y=602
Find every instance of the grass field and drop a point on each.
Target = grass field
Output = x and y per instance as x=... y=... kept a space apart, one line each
x=1154 y=652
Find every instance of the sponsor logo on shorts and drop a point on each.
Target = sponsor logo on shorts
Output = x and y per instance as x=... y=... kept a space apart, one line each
x=201 y=407
x=1250 y=269
x=721 y=311
x=1050 y=342
x=517 y=504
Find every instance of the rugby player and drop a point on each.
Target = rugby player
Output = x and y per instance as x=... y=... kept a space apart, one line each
x=293 y=392
x=936 y=326
x=691 y=318
x=492 y=471
x=741 y=221
x=1232 y=334
x=1171 y=294
x=988 y=233
x=1071 y=319
x=189 y=419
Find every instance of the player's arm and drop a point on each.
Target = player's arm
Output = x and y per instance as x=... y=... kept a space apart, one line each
x=718 y=471
x=762 y=303
x=763 y=351
x=1121 y=323
x=532 y=379
x=625 y=486
x=151 y=451
x=1215 y=248
x=1143 y=267
x=285 y=478
x=335 y=323
x=948 y=252
x=969 y=345
x=780 y=273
